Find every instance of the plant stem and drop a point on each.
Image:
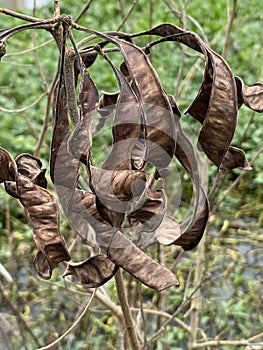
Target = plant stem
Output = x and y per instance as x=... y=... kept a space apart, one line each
x=196 y=301
x=126 y=311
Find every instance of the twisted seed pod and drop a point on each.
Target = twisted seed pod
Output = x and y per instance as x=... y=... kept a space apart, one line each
x=216 y=104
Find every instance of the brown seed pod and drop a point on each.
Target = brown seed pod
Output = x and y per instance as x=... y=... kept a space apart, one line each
x=93 y=272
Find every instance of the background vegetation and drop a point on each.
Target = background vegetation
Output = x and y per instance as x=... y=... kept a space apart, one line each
x=219 y=303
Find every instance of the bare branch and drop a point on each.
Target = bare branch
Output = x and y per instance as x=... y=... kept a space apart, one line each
x=20 y=16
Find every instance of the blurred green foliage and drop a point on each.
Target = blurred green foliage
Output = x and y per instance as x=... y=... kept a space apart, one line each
x=232 y=300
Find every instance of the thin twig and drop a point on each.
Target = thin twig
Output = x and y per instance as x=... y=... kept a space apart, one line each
x=217 y=182
x=182 y=55
x=85 y=9
x=7 y=34
x=128 y=14
x=26 y=52
x=235 y=343
x=79 y=60
x=19 y=110
x=58 y=340
x=22 y=323
x=38 y=62
x=20 y=15
x=151 y=11
x=44 y=126
x=180 y=71
x=229 y=28
x=178 y=310
x=48 y=92
x=163 y=296
x=122 y=8
x=141 y=329
x=244 y=133
x=13 y=63
x=177 y=259
x=164 y=314
x=178 y=15
x=6 y=274
x=100 y=296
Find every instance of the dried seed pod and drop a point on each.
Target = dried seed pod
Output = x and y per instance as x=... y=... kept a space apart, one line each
x=118 y=248
x=65 y=169
x=44 y=219
x=8 y=172
x=79 y=142
x=8 y=168
x=251 y=96
x=191 y=230
x=193 y=227
x=106 y=108
x=114 y=190
x=234 y=158
x=216 y=104
x=87 y=59
x=189 y=233
x=140 y=265
x=107 y=103
x=30 y=167
x=156 y=117
x=117 y=185
x=2 y=49
x=93 y=272
x=169 y=231
x=40 y=206
x=11 y=188
x=150 y=214
x=160 y=131
x=69 y=80
x=126 y=127
x=61 y=129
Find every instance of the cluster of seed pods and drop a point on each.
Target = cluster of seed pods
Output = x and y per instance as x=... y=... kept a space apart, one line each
x=123 y=196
